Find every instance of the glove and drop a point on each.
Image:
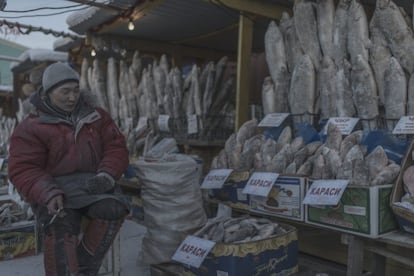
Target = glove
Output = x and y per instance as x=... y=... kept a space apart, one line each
x=100 y=183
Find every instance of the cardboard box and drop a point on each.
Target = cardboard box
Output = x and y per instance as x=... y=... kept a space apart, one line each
x=277 y=255
x=405 y=218
x=284 y=199
x=18 y=240
x=231 y=192
x=363 y=211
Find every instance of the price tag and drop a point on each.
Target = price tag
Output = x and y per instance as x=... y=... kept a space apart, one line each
x=260 y=183
x=192 y=251
x=345 y=124
x=142 y=123
x=192 y=124
x=215 y=178
x=273 y=119
x=325 y=192
x=163 y=123
x=404 y=126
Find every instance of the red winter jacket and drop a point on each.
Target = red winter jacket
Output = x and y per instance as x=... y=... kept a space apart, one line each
x=46 y=145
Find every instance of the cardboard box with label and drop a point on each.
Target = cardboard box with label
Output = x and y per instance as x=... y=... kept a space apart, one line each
x=277 y=255
x=363 y=211
x=231 y=193
x=284 y=199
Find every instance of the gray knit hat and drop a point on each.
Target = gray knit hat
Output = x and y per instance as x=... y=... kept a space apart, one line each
x=56 y=74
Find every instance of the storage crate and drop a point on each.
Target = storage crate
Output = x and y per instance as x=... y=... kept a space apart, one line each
x=277 y=255
x=284 y=199
x=363 y=211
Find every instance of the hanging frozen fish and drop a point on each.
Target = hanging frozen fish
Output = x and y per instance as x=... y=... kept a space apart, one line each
x=159 y=84
x=197 y=94
x=136 y=65
x=268 y=96
x=168 y=100
x=307 y=30
x=344 y=103
x=99 y=84
x=364 y=92
x=83 y=81
x=358 y=41
x=302 y=94
x=276 y=62
x=379 y=57
x=395 y=93
x=112 y=85
x=325 y=14
x=209 y=89
x=219 y=77
x=292 y=47
x=164 y=64
x=222 y=96
x=149 y=91
x=327 y=85
x=399 y=36
x=340 y=33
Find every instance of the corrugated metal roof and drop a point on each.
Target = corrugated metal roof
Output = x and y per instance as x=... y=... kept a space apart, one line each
x=197 y=23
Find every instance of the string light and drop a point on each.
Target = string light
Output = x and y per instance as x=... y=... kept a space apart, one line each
x=93 y=52
x=131 y=25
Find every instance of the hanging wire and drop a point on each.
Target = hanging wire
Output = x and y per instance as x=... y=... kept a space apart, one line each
x=41 y=15
x=42 y=8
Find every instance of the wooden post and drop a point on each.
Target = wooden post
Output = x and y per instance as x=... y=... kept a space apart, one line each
x=243 y=70
x=355 y=256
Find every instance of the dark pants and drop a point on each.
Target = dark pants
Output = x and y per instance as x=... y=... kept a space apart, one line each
x=64 y=253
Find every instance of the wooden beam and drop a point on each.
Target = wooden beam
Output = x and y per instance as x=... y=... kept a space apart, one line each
x=243 y=70
x=262 y=8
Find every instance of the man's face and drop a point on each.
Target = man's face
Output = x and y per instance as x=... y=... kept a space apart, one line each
x=65 y=96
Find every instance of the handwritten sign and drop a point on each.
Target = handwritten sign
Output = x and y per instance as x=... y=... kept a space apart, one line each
x=192 y=124
x=325 y=192
x=404 y=126
x=273 y=119
x=345 y=124
x=192 y=251
x=163 y=122
x=260 y=183
x=215 y=178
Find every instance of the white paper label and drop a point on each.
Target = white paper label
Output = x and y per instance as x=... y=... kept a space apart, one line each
x=192 y=251
x=273 y=119
x=192 y=124
x=142 y=123
x=404 y=126
x=163 y=122
x=325 y=192
x=345 y=124
x=215 y=178
x=260 y=183
x=355 y=210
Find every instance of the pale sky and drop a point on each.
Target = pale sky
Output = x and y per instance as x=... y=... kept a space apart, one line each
x=54 y=22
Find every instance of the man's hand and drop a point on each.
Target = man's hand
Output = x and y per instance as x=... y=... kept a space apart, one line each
x=100 y=183
x=55 y=204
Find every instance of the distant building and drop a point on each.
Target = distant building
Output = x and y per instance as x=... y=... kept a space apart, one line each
x=9 y=51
